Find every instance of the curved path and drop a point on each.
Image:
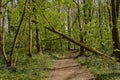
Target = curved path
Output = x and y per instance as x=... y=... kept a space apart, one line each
x=67 y=68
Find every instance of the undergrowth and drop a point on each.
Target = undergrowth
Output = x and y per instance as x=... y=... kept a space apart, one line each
x=103 y=69
x=34 y=68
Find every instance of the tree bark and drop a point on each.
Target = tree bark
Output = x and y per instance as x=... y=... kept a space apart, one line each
x=30 y=33
x=117 y=7
x=115 y=32
x=12 y=3
x=68 y=26
x=0 y=27
x=100 y=20
x=38 y=40
x=2 y=49
x=80 y=44
x=82 y=50
x=38 y=36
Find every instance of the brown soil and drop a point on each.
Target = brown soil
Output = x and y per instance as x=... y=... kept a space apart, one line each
x=67 y=68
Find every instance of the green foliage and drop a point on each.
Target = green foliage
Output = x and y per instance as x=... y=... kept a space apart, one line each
x=34 y=68
x=103 y=69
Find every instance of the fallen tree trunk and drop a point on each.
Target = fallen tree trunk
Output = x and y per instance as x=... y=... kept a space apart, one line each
x=79 y=44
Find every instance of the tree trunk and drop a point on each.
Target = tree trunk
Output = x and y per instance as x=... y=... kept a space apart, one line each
x=30 y=38
x=2 y=50
x=117 y=7
x=38 y=36
x=82 y=50
x=100 y=20
x=12 y=3
x=9 y=19
x=68 y=26
x=30 y=33
x=38 y=40
x=115 y=32
x=0 y=26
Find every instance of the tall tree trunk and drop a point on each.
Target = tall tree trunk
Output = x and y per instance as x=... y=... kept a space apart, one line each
x=0 y=26
x=38 y=39
x=12 y=3
x=110 y=16
x=30 y=33
x=2 y=50
x=100 y=21
x=8 y=15
x=30 y=37
x=38 y=36
x=9 y=19
x=115 y=32
x=69 y=26
x=80 y=26
x=117 y=7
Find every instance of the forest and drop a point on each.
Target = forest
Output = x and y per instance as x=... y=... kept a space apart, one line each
x=34 y=34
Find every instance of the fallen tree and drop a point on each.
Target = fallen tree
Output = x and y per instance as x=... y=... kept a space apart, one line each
x=79 y=44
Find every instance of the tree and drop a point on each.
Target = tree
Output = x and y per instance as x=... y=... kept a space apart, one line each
x=115 y=32
x=16 y=35
x=69 y=25
x=30 y=31
x=80 y=28
x=2 y=50
x=0 y=26
x=38 y=35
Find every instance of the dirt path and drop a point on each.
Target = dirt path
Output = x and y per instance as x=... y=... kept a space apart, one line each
x=67 y=68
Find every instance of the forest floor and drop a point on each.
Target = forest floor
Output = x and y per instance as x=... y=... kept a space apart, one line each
x=67 y=68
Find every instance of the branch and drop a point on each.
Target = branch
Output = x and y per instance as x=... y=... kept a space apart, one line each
x=5 y=4
x=75 y=2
